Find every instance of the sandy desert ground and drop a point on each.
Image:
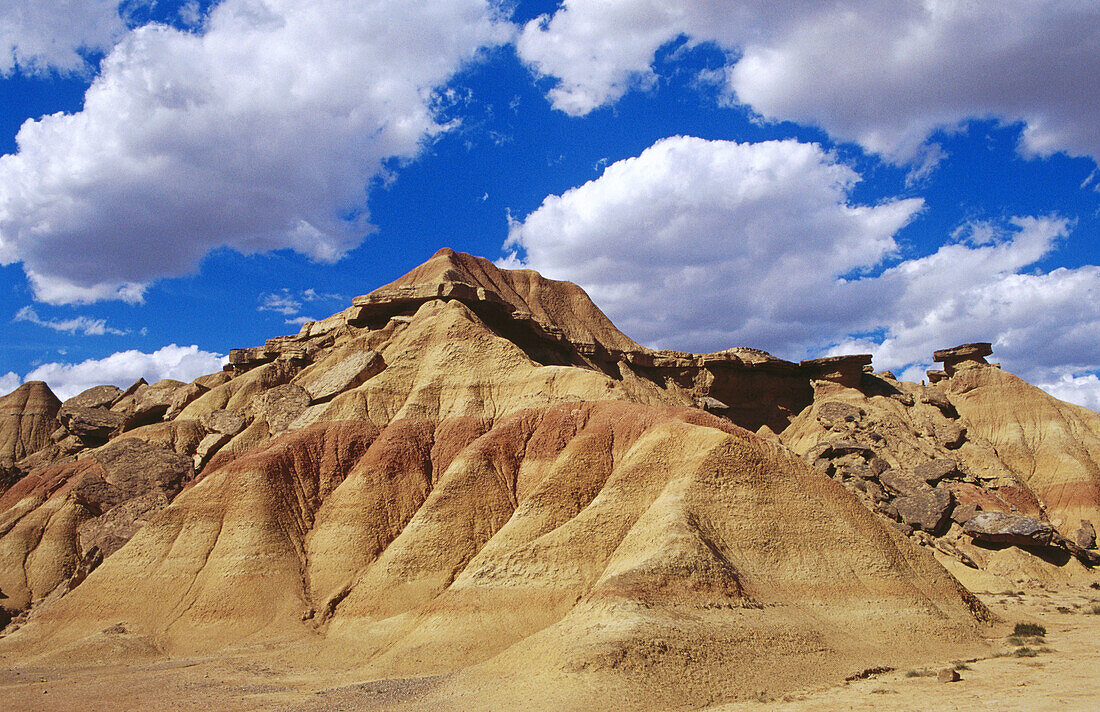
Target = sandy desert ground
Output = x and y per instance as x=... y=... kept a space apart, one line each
x=1062 y=675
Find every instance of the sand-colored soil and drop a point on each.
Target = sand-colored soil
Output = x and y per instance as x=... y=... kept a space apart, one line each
x=1062 y=676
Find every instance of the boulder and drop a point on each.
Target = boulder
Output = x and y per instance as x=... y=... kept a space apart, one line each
x=927 y=511
x=350 y=372
x=948 y=675
x=831 y=413
x=279 y=406
x=1003 y=528
x=963 y=513
x=92 y=423
x=848 y=447
x=208 y=446
x=227 y=422
x=935 y=376
x=152 y=402
x=938 y=399
x=902 y=483
x=1085 y=536
x=950 y=435
x=181 y=397
x=96 y=397
x=936 y=470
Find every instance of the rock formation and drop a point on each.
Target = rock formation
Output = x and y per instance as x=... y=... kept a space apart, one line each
x=471 y=468
x=28 y=416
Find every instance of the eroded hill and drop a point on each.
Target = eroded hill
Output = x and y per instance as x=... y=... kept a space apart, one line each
x=471 y=469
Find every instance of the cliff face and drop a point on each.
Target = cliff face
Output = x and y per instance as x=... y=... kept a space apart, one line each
x=471 y=468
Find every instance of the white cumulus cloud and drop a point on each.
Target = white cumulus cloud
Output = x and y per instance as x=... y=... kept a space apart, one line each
x=1083 y=390
x=182 y=363
x=9 y=382
x=702 y=245
x=262 y=131
x=883 y=73
x=41 y=35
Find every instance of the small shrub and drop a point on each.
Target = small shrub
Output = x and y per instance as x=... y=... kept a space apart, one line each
x=1029 y=629
x=962 y=666
x=1093 y=610
x=1025 y=652
x=925 y=672
x=1095 y=584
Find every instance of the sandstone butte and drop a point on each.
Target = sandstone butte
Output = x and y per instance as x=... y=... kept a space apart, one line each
x=470 y=482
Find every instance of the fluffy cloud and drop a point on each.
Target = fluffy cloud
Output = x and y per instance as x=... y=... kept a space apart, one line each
x=80 y=324
x=885 y=74
x=9 y=382
x=39 y=35
x=260 y=132
x=1083 y=390
x=706 y=244
x=183 y=363
x=703 y=245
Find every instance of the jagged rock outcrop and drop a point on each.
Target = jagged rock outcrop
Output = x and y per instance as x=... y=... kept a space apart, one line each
x=964 y=356
x=94 y=397
x=978 y=446
x=52 y=519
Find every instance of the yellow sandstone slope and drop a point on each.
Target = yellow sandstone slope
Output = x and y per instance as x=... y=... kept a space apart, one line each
x=471 y=506
x=471 y=476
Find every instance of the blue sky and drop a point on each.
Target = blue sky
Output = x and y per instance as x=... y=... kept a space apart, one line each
x=181 y=178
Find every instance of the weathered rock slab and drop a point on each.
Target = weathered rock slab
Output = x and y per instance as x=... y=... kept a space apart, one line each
x=832 y=413
x=902 y=483
x=1003 y=528
x=91 y=423
x=279 y=406
x=936 y=470
x=949 y=435
x=938 y=399
x=153 y=401
x=927 y=511
x=976 y=350
x=208 y=446
x=352 y=371
x=96 y=397
x=228 y=422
